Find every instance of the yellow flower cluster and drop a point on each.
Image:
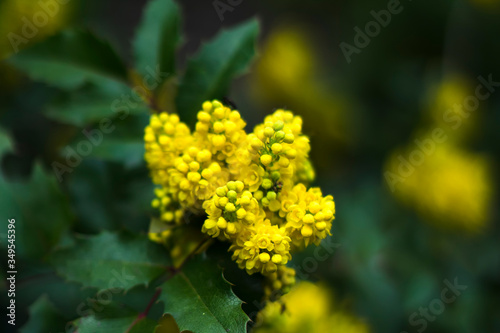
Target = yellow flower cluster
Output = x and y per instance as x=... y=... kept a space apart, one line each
x=252 y=187
x=307 y=308
x=452 y=188
x=448 y=185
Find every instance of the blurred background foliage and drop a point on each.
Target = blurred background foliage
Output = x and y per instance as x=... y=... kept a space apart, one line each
x=396 y=247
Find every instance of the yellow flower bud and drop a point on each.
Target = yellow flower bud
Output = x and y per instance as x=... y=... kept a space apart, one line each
x=215 y=167
x=308 y=218
x=221 y=191
x=231 y=229
x=155 y=122
x=194 y=166
x=276 y=148
x=219 y=113
x=267 y=183
x=231 y=186
x=203 y=156
x=218 y=127
x=231 y=195
x=277 y=259
x=164 y=140
x=314 y=207
x=204 y=117
x=264 y=257
x=201 y=127
x=241 y=213
x=230 y=207
x=149 y=137
x=280 y=135
x=218 y=140
x=168 y=216
x=278 y=125
x=183 y=167
x=328 y=214
x=275 y=175
x=306 y=231
x=169 y=129
x=271 y=195
x=289 y=138
x=266 y=159
x=268 y=132
x=207 y=173
x=221 y=223
x=207 y=106
x=321 y=226
x=258 y=195
x=319 y=217
x=239 y=186
x=250 y=217
x=234 y=116
x=223 y=201
x=245 y=201
x=194 y=177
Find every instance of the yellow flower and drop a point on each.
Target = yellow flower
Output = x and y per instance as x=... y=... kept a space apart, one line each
x=452 y=187
x=307 y=308
x=252 y=187
x=263 y=238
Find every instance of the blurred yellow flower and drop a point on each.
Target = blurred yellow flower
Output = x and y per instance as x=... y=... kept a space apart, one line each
x=287 y=72
x=451 y=187
x=446 y=107
x=23 y=22
x=307 y=308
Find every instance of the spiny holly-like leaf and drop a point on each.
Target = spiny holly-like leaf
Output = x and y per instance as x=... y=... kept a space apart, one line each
x=69 y=59
x=93 y=103
x=43 y=318
x=111 y=260
x=40 y=209
x=115 y=318
x=201 y=300
x=88 y=70
x=123 y=141
x=209 y=73
x=157 y=37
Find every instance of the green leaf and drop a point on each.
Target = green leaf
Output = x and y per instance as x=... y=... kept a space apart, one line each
x=157 y=37
x=201 y=300
x=111 y=260
x=209 y=74
x=115 y=318
x=69 y=59
x=109 y=196
x=89 y=70
x=93 y=103
x=44 y=317
x=123 y=144
x=40 y=209
x=38 y=278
